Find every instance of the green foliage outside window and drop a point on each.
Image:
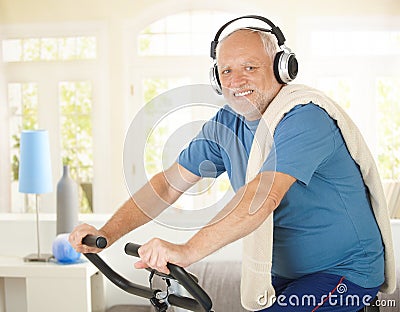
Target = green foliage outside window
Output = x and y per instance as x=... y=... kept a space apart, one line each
x=154 y=145
x=388 y=95
x=75 y=99
x=23 y=101
x=49 y=49
x=76 y=135
x=76 y=130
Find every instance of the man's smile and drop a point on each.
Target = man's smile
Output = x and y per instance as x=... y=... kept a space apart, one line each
x=243 y=93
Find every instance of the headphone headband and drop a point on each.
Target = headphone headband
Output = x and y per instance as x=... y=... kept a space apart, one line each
x=274 y=30
x=285 y=64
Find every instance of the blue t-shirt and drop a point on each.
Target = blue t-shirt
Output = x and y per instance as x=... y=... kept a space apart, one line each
x=325 y=222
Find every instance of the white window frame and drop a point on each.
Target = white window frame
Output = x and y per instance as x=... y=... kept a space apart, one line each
x=362 y=69
x=195 y=67
x=48 y=74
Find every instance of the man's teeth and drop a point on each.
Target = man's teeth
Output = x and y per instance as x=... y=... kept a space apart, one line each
x=244 y=93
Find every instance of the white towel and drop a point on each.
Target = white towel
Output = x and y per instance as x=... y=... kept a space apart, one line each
x=257 y=291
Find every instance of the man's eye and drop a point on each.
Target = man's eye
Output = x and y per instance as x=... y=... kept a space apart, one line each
x=226 y=71
x=250 y=68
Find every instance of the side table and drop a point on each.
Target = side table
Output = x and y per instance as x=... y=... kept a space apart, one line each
x=49 y=287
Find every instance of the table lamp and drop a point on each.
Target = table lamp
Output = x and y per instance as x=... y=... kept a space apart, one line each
x=35 y=175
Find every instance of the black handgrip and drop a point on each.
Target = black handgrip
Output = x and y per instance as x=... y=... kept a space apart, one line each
x=132 y=249
x=181 y=276
x=95 y=241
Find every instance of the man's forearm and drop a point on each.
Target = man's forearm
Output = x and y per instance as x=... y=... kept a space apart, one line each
x=127 y=218
x=232 y=223
x=248 y=209
x=145 y=205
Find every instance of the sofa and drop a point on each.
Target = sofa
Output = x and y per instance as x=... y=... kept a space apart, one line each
x=221 y=280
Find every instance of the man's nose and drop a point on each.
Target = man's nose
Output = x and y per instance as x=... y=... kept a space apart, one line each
x=238 y=79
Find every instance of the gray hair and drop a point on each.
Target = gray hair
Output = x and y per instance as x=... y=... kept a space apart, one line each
x=269 y=41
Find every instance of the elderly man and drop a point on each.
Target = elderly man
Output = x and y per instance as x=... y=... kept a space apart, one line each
x=324 y=231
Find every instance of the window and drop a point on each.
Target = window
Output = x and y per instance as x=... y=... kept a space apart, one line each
x=181 y=34
x=355 y=62
x=49 y=49
x=76 y=135
x=23 y=103
x=63 y=76
x=355 y=42
x=338 y=88
x=159 y=133
x=358 y=56
x=387 y=97
x=173 y=52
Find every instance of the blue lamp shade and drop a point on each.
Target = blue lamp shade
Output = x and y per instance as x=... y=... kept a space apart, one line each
x=35 y=167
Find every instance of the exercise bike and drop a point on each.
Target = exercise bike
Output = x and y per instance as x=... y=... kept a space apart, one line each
x=162 y=300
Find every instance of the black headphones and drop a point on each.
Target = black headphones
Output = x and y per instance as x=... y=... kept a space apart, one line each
x=285 y=62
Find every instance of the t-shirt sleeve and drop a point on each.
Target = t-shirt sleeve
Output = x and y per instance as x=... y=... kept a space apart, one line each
x=304 y=139
x=203 y=156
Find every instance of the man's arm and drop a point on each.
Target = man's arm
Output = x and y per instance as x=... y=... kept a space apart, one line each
x=146 y=204
x=248 y=209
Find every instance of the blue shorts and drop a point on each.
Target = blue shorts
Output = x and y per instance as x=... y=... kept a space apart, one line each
x=320 y=292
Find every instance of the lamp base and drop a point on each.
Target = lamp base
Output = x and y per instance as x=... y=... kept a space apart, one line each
x=38 y=257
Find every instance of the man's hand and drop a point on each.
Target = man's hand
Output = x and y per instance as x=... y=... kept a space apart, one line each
x=79 y=232
x=157 y=253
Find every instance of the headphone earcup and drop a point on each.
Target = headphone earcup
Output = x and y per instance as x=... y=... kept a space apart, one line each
x=214 y=79
x=285 y=67
x=292 y=66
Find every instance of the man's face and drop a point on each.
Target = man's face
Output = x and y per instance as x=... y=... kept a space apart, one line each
x=246 y=74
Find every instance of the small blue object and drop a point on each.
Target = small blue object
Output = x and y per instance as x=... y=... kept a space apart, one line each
x=63 y=251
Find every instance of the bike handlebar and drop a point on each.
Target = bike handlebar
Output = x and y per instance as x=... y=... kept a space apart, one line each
x=183 y=277
x=95 y=241
x=200 y=303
